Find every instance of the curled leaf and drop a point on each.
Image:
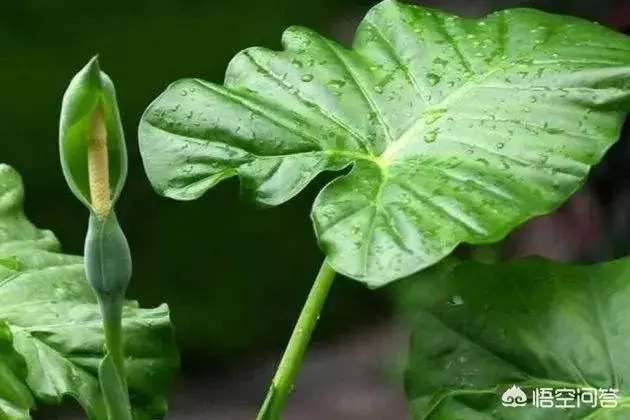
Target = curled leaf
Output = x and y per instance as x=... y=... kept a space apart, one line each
x=56 y=327
x=16 y=399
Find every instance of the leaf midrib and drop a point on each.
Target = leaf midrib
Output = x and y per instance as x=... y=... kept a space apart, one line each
x=410 y=134
x=474 y=81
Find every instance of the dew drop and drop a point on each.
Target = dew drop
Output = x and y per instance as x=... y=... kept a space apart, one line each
x=430 y=136
x=433 y=114
x=307 y=77
x=456 y=300
x=337 y=83
x=433 y=78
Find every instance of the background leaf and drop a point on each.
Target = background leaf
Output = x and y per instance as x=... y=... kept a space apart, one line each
x=479 y=329
x=55 y=320
x=15 y=397
x=457 y=129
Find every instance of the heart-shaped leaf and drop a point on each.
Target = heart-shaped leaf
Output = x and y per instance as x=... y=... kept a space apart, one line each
x=56 y=324
x=479 y=330
x=457 y=129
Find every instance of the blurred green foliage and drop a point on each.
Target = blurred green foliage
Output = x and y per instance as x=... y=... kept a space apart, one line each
x=234 y=276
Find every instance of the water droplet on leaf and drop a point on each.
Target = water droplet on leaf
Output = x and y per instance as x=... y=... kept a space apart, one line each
x=433 y=114
x=433 y=79
x=430 y=136
x=456 y=300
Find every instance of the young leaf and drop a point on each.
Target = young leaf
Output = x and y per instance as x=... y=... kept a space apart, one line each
x=56 y=324
x=481 y=329
x=457 y=129
x=15 y=397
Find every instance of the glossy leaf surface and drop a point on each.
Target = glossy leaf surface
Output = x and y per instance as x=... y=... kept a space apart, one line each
x=480 y=329
x=55 y=321
x=457 y=130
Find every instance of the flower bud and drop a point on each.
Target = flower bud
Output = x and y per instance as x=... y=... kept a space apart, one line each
x=91 y=140
x=107 y=257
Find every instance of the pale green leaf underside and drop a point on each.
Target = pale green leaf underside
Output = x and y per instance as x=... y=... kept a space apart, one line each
x=55 y=320
x=479 y=329
x=457 y=129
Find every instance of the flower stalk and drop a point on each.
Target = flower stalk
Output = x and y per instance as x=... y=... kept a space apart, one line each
x=94 y=163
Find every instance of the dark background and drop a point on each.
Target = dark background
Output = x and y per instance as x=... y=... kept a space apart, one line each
x=234 y=276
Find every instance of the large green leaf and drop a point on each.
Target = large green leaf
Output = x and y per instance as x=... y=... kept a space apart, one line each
x=56 y=324
x=15 y=397
x=457 y=129
x=480 y=329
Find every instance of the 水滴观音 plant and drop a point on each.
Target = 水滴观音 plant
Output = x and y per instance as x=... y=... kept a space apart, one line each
x=94 y=162
x=454 y=130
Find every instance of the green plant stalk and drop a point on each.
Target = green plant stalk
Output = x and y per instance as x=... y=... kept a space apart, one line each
x=112 y=376
x=106 y=244
x=111 y=312
x=283 y=380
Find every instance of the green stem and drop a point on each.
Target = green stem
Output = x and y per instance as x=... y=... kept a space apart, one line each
x=111 y=311
x=113 y=381
x=282 y=382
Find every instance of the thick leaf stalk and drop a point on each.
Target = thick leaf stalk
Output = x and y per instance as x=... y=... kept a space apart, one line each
x=283 y=380
x=94 y=162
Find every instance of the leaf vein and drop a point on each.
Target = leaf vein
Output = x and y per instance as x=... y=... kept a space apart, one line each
x=420 y=90
x=355 y=78
x=340 y=124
